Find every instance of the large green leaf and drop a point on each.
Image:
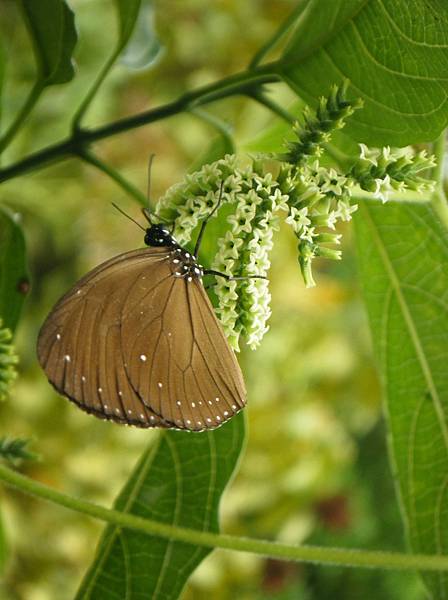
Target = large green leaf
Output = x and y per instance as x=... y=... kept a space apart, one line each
x=180 y=481
x=394 y=52
x=52 y=29
x=403 y=256
x=14 y=278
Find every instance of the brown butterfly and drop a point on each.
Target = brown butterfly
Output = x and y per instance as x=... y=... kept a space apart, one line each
x=137 y=341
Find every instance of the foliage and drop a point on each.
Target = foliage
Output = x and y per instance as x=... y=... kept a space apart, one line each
x=8 y=360
x=405 y=278
x=15 y=450
x=396 y=65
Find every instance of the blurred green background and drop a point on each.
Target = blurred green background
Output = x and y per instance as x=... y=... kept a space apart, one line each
x=315 y=468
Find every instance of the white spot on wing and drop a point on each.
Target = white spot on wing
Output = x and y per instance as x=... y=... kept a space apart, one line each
x=67 y=358
x=58 y=336
x=143 y=357
x=160 y=384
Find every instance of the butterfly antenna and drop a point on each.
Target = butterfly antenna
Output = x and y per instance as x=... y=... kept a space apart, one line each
x=148 y=189
x=207 y=219
x=147 y=211
x=128 y=216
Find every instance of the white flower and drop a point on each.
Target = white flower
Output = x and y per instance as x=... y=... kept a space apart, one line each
x=298 y=219
x=345 y=209
x=382 y=188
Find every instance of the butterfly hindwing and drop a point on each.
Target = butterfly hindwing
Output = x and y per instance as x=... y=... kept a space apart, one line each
x=177 y=357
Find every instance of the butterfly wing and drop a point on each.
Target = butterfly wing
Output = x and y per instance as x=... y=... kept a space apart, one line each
x=177 y=357
x=79 y=345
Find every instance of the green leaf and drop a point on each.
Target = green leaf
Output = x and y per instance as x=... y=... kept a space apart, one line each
x=144 y=47
x=15 y=450
x=403 y=257
x=179 y=481
x=52 y=29
x=395 y=54
x=128 y=11
x=14 y=278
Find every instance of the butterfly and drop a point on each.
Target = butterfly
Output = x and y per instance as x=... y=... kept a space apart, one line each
x=137 y=341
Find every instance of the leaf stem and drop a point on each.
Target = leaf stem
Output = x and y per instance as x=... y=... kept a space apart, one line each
x=240 y=83
x=81 y=111
x=280 y=32
x=126 y=185
x=438 y=198
x=19 y=119
x=264 y=100
x=305 y=553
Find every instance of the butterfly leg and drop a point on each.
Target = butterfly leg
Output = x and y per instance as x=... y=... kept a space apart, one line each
x=206 y=220
x=230 y=277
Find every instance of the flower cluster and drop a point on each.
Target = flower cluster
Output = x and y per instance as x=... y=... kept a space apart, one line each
x=317 y=126
x=313 y=199
x=317 y=199
x=8 y=360
x=187 y=203
x=382 y=170
x=243 y=252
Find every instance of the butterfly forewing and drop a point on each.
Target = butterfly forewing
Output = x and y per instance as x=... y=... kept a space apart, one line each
x=79 y=343
x=134 y=343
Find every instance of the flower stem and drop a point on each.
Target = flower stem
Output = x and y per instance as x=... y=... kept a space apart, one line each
x=315 y=554
x=240 y=83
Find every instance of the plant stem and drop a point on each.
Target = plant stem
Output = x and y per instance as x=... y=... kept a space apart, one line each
x=28 y=106
x=82 y=109
x=273 y=106
x=438 y=199
x=278 y=35
x=240 y=83
x=316 y=554
x=90 y=158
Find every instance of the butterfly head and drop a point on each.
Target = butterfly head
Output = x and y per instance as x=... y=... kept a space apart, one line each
x=159 y=235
